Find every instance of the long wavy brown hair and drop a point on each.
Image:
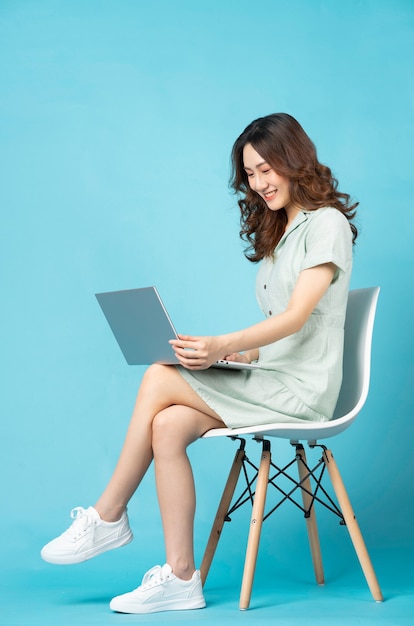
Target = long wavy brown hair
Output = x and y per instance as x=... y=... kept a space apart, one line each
x=283 y=144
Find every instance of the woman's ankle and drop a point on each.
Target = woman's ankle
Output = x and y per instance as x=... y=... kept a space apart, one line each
x=183 y=570
x=109 y=513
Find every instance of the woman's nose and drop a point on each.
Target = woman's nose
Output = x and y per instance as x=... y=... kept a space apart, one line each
x=260 y=182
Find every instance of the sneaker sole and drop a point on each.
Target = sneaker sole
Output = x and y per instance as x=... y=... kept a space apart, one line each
x=89 y=554
x=157 y=607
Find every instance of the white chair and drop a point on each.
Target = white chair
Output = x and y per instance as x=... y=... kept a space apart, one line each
x=354 y=390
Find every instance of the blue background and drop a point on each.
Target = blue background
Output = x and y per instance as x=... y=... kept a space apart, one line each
x=116 y=120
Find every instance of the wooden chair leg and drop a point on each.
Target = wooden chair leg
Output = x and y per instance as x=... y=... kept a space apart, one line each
x=255 y=527
x=222 y=510
x=311 y=520
x=352 y=525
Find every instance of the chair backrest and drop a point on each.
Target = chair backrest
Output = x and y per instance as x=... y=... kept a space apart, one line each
x=359 y=324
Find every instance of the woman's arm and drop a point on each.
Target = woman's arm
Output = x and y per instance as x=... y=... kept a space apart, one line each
x=201 y=352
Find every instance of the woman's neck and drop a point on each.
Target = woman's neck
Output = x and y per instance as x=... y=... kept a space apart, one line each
x=291 y=212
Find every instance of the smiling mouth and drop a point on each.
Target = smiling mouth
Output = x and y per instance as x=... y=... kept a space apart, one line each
x=269 y=195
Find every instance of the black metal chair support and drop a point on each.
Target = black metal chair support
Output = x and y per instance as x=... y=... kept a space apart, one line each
x=247 y=494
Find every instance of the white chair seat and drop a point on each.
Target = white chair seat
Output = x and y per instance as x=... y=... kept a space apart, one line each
x=315 y=431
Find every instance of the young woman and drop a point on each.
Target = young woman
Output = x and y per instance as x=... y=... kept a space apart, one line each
x=299 y=226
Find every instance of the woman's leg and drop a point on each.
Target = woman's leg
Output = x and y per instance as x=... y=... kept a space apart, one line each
x=162 y=387
x=174 y=429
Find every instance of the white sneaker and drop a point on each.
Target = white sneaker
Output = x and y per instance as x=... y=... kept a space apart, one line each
x=160 y=590
x=87 y=537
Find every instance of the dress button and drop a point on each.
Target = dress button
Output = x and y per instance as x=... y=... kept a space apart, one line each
x=265 y=286
x=270 y=312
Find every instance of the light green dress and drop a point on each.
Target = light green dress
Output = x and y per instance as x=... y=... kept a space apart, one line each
x=300 y=375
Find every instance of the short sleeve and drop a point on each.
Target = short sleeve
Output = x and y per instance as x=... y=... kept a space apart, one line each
x=328 y=240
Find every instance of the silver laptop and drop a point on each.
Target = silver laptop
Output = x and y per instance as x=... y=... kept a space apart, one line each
x=143 y=328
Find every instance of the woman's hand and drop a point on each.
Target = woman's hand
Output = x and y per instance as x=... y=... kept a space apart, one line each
x=197 y=353
x=238 y=357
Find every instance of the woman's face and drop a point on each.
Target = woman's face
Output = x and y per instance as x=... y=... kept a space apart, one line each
x=271 y=186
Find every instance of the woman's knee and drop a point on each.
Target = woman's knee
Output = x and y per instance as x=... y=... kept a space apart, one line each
x=166 y=431
x=156 y=373
x=163 y=422
x=157 y=386
x=174 y=428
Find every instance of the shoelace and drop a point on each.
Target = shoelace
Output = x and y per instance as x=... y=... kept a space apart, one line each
x=82 y=519
x=155 y=576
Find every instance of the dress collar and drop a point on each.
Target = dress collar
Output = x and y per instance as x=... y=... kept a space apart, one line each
x=300 y=218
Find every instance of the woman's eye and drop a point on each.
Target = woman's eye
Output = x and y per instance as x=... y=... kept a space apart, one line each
x=266 y=171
